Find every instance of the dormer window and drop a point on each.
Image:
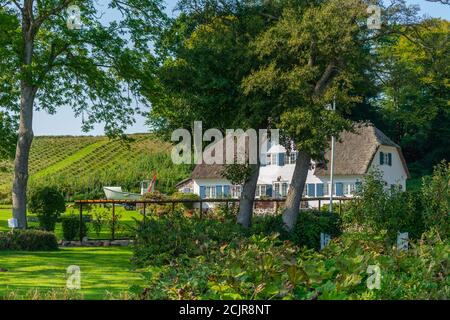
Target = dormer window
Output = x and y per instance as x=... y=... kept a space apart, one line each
x=385 y=158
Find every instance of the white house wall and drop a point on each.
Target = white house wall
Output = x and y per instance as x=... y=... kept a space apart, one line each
x=394 y=174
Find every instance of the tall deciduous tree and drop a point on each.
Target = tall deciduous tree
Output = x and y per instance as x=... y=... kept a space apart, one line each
x=52 y=59
x=415 y=99
x=313 y=54
x=207 y=57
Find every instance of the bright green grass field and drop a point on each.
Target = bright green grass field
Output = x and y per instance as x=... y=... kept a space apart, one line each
x=103 y=270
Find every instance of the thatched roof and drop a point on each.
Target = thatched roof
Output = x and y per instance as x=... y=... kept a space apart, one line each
x=354 y=151
x=353 y=154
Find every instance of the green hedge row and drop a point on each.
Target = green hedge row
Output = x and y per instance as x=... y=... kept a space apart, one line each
x=28 y=240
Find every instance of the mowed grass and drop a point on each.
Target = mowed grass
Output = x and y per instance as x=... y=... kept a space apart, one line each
x=104 y=271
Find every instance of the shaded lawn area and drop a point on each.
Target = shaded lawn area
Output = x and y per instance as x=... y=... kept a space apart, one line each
x=103 y=269
x=126 y=223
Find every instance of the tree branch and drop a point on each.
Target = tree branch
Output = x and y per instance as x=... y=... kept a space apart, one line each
x=328 y=75
x=47 y=14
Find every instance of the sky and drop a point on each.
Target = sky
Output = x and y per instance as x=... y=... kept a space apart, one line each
x=64 y=121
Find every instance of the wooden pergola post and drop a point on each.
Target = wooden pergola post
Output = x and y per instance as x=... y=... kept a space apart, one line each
x=113 y=229
x=81 y=223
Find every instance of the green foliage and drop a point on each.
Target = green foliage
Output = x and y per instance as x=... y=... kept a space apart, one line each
x=378 y=209
x=184 y=196
x=436 y=199
x=306 y=231
x=261 y=267
x=99 y=219
x=414 y=99
x=112 y=221
x=183 y=236
x=71 y=227
x=311 y=223
x=48 y=204
x=8 y=136
x=28 y=240
x=70 y=66
x=393 y=211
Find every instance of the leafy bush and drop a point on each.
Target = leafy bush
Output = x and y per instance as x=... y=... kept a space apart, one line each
x=436 y=199
x=71 y=227
x=378 y=209
x=48 y=204
x=307 y=229
x=100 y=219
x=311 y=224
x=263 y=267
x=160 y=240
x=28 y=240
x=185 y=196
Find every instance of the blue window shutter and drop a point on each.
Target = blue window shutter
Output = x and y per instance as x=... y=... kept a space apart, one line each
x=269 y=190
x=339 y=189
x=358 y=186
x=226 y=191
x=310 y=188
x=390 y=159
x=319 y=189
x=218 y=191
x=281 y=157
x=202 y=192
x=381 y=158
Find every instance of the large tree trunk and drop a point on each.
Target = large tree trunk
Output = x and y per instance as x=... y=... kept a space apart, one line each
x=296 y=188
x=25 y=138
x=244 y=217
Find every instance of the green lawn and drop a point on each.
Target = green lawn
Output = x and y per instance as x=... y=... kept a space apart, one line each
x=103 y=269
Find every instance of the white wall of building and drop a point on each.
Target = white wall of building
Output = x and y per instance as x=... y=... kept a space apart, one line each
x=394 y=174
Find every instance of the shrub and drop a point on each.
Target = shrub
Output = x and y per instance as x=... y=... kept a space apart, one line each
x=100 y=218
x=48 y=204
x=185 y=196
x=71 y=227
x=378 y=209
x=436 y=199
x=311 y=224
x=28 y=240
x=261 y=267
x=307 y=229
x=160 y=240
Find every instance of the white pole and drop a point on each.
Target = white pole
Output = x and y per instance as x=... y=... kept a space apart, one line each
x=332 y=164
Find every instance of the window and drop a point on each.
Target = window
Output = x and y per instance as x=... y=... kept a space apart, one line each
x=273 y=159
x=348 y=188
x=269 y=159
x=276 y=190
x=326 y=189
x=319 y=189
x=311 y=189
x=351 y=188
x=261 y=190
x=292 y=157
x=280 y=189
x=284 y=189
x=219 y=191
x=386 y=158
x=210 y=192
x=235 y=191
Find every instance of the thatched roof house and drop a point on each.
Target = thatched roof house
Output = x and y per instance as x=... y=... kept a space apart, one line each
x=355 y=153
